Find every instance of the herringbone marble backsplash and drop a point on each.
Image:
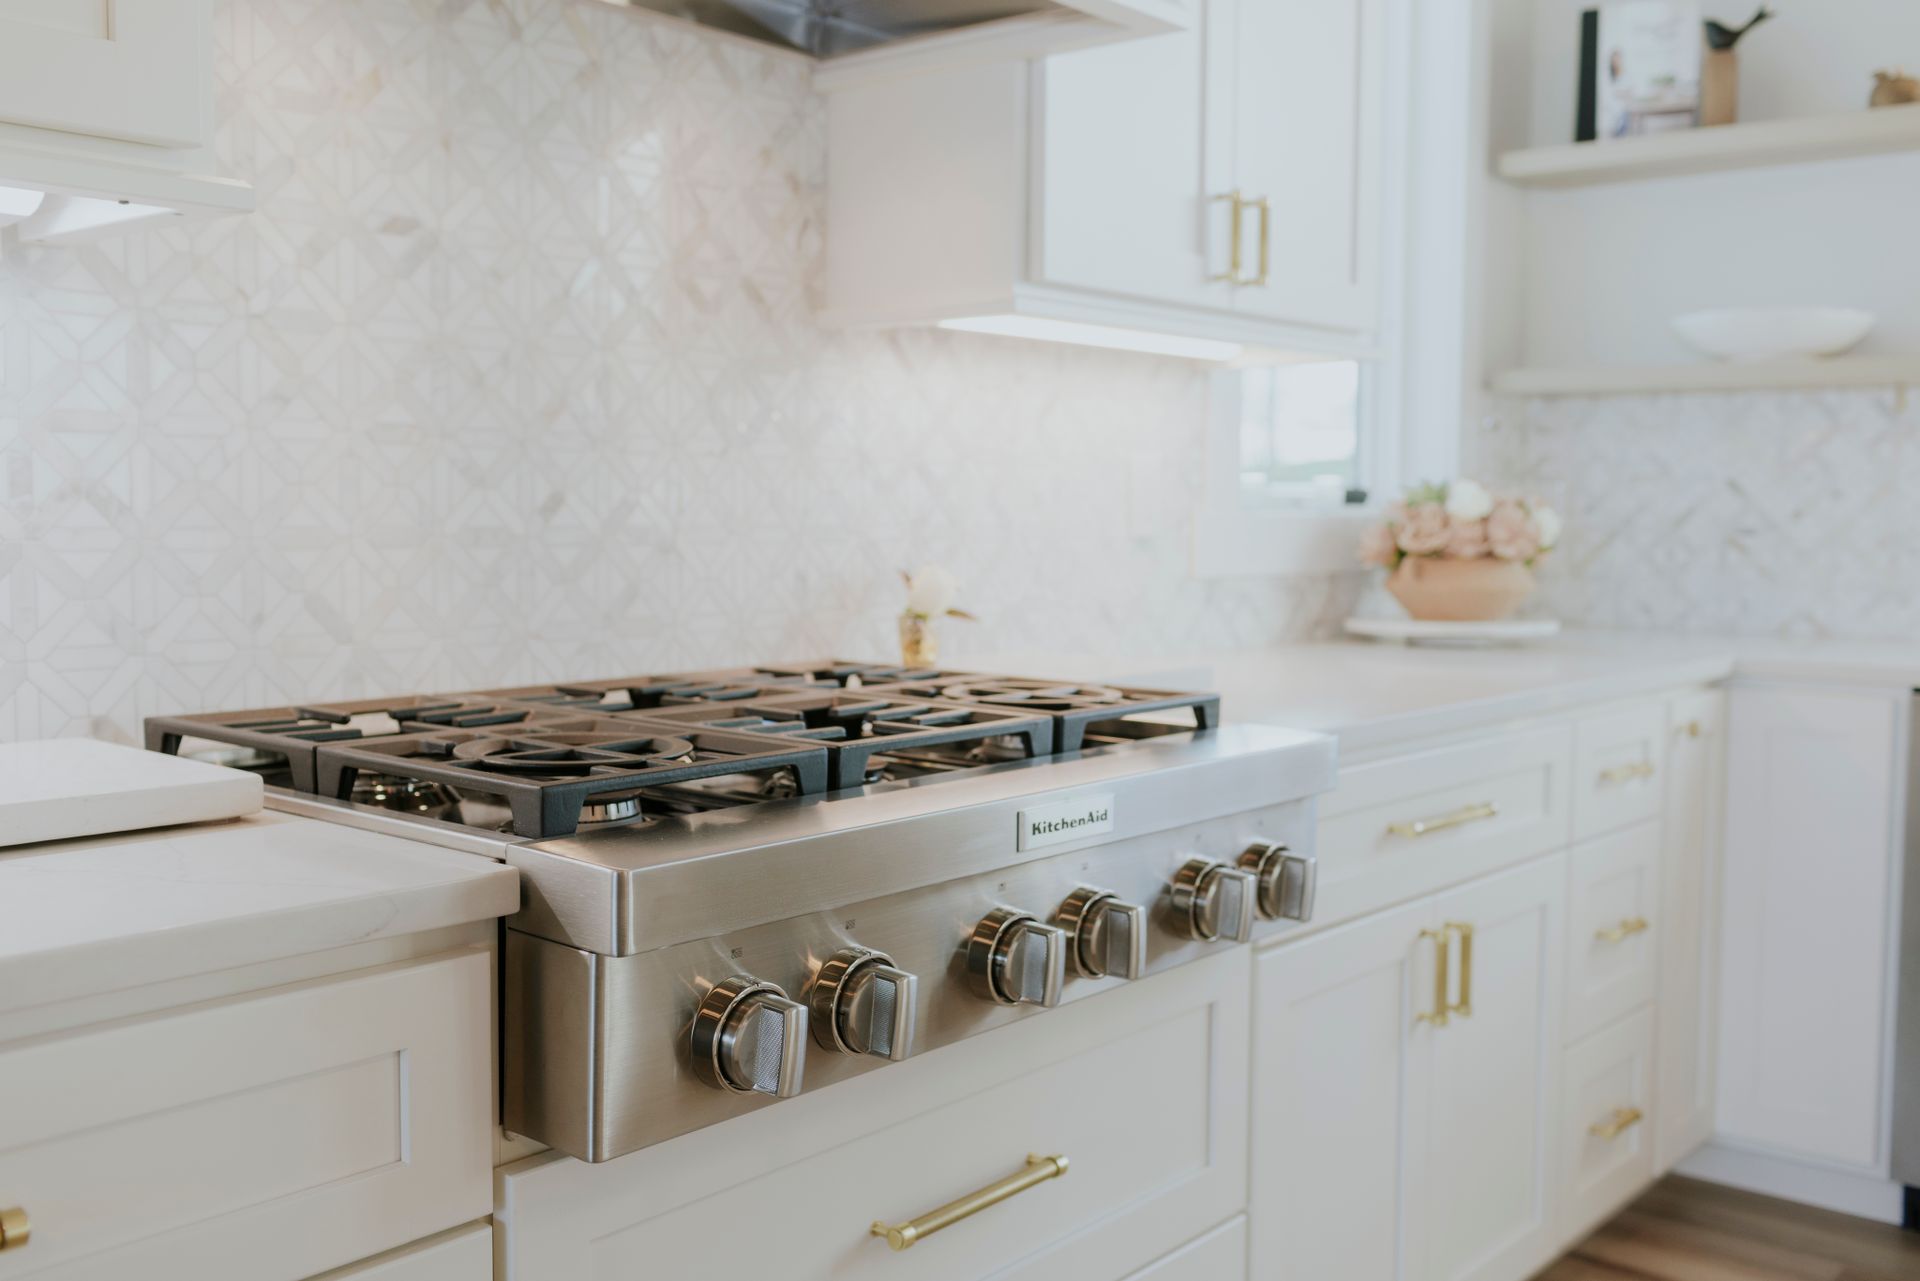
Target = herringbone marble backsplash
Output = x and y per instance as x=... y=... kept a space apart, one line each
x=512 y=375
x=1746 y=514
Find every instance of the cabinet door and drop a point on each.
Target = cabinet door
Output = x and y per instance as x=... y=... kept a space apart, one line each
x=1306 y=81
x=1492 y=1139
x=1688 y=928
x=1123 y=163
x=1339 y=1115
x=135 y=70
x=1812 y=788
x=1613 y=909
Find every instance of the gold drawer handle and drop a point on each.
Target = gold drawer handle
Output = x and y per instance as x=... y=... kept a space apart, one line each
x=1039 y=1170
x=1627 y=773
x=15 y=1228
x=1693 y=729
x=1625 y=930
x=1441 y=822
x=1622 y=1120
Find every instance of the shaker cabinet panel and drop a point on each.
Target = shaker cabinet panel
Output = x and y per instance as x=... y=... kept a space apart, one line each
x=133 y=70
x=1613 y=915
x=1812 y=793
x=1689 y=924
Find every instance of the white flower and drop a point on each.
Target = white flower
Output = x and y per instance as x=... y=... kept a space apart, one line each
x=930 y=591
x=1468 y=500
x=1549 y=522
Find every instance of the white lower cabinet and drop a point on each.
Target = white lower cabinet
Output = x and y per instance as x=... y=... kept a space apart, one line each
x=265 y=1137
x=1389 y=1144
x=1143 y=1091
x=1608 y=1122
x=1220 y=1255
x=464 y=1254
x=1613 y=909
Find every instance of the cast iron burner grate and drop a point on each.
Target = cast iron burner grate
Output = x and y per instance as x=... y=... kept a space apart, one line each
x=553 y=778
x=1083 y=715
x=644 y=693
x=284 y=739
x=850 y=672
x=871 y=736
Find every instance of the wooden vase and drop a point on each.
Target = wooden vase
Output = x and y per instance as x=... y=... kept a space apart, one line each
x=1720 y=87
x=1438 y=589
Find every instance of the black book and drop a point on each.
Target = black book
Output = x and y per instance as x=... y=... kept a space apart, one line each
x=1587 y=110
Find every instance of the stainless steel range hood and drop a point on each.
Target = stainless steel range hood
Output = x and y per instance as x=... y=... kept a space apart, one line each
x=829 y=28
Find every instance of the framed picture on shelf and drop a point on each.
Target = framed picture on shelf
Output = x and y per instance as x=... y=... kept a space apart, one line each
x=1640 y=71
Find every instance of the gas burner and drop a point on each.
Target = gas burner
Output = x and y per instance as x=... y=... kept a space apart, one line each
x=553 y=776
x=643 y=693
x=1083 y=715
x=285 y=738
x=872 y=736
x=403 y=795
x=853 y=674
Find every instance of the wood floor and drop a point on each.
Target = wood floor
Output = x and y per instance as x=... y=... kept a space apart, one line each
x=1682 y=1230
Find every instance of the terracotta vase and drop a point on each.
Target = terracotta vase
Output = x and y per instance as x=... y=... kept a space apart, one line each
x=1437 y=589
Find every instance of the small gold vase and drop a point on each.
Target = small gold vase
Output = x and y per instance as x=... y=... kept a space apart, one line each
x=919 y=646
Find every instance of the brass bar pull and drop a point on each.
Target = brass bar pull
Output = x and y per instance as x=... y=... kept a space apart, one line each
x=1438 y=1015
x=1265 y=207
x=1627 y=773
x=1692 y=729
x=1441 y=822
x=1622 y=1120
x=15 y=1228
x=1038 y=1170
x=1231 y=276
x=1464 y=1006
x=1625 y=930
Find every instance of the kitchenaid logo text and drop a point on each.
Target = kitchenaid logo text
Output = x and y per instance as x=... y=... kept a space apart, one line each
x=1066 y=821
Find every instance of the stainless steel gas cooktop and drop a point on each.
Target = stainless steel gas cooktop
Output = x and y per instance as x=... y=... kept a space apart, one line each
x=741 y=883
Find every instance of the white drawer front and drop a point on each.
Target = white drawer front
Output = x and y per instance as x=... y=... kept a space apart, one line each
x=465 y=1254
x=1143 y=1090
x=1613 y=914
x=1221 y=1255
x=267 y=1137
x=1619 y=759
x=1607 y=1123
x=1399 y=828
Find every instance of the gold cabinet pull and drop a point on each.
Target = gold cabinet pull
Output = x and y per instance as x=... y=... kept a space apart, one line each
x=1038 y=1170
x=1265 y=206
x=1622 y=1120
x=1627 y=773
x=1438 y=1014
x=1692 y=729
x=1622 y=932
x=15 y=1228
x=1464 y=1006
x=1231 y=276
x=1441 y=822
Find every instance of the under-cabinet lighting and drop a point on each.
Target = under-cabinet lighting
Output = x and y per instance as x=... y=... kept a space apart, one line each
x=63 y=219
x=1069 y=331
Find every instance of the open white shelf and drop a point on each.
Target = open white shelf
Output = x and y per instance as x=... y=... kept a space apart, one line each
x=1742 y=146
x=1602 y=380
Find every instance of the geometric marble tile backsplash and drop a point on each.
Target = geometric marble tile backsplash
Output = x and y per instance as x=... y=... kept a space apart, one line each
x=513 y=374
x=1776 y=514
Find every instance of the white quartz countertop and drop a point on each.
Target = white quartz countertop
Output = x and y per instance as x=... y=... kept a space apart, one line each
x=84 y=916
x=1371 y=695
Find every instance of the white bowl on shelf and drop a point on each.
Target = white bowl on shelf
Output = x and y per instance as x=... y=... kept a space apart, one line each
x=1748 y=334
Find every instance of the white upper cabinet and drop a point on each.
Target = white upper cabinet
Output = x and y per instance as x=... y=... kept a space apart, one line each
x=135 y=70
x=1220 y=182
x=1299 y=88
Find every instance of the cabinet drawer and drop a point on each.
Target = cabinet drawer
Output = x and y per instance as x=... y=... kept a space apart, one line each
x=1399 y=828
x=1618 y=761
x=1606 y=1122
x=1142 y=1089
x=1613 y=914
x=269 y=1136
x=464 y=1254
x=1221 y=1255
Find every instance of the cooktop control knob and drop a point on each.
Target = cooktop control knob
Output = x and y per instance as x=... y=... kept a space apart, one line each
x=1213 y=901
x=860 y=1003
x=750 y=1039
x=1286 y=880
x=1012 y=959
x=1109 y=937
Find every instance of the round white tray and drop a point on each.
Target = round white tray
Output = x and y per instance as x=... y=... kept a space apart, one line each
x=1414 y=631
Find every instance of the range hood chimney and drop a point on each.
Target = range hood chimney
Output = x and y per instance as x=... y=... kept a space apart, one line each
x=830 y=28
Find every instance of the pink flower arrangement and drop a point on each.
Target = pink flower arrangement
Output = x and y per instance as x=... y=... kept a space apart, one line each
x=1461 y=521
